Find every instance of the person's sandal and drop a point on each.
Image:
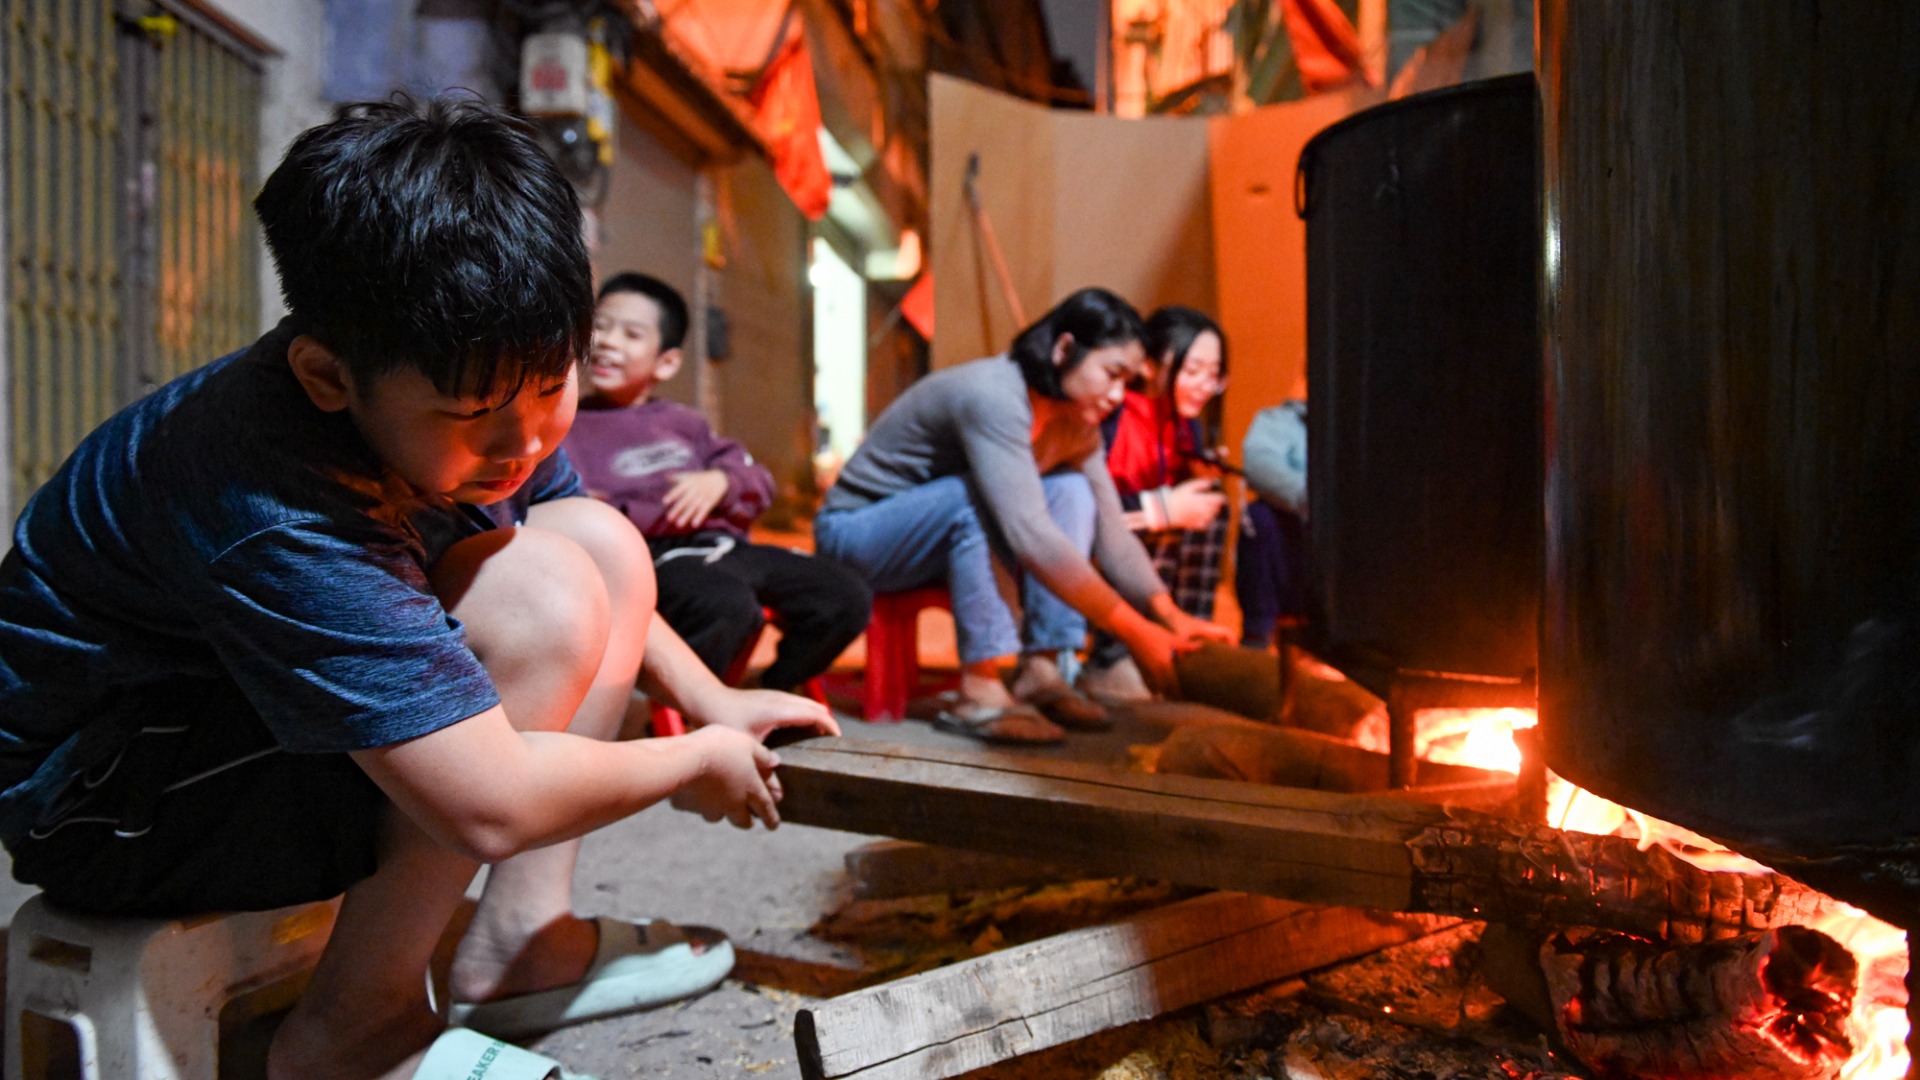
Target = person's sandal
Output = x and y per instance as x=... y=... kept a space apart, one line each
x=1013 y=725
x=1070 y=709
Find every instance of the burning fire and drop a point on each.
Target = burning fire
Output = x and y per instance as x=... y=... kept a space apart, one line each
x=1878 y=1026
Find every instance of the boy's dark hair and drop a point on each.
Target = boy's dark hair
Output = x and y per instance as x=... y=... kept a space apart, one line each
x=1172 y=330
x=673 y=306
x=436 y=236
x=1095 y=317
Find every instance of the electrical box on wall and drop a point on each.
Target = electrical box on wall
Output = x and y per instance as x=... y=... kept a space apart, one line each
x=554 y=76
x=565 y=80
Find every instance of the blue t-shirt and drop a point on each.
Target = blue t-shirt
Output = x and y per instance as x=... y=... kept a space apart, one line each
x=225 y=528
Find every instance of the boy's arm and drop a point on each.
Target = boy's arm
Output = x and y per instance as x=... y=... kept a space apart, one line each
x=728 y=486
x=749 y=484
x=674 y=673
x=489 y=791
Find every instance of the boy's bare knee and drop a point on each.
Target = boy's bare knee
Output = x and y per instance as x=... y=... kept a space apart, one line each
x=617 y=548
x=525 y=592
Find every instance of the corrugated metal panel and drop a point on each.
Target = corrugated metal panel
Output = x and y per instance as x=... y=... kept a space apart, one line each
x=208 y=105
x=130 y=252
x=63 y=318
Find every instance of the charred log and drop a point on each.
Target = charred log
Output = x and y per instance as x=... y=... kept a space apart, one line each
x=1765 y=1006
x=1529 y=875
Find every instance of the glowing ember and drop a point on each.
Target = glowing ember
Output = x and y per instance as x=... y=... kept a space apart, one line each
x=1479 y=737
x=1878 y=1025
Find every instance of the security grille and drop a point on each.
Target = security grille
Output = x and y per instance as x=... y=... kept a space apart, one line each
x=131 y=142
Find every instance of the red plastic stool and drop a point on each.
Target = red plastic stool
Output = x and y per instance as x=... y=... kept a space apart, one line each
x=668 y=721
x=893 y=651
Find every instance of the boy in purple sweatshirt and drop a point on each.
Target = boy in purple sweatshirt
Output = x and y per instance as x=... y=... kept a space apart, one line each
x=693 y=495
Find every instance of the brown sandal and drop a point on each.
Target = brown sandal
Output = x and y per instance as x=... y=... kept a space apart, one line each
x=1013 y=725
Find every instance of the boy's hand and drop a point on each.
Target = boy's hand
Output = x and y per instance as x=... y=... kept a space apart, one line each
x=736 y=780
x=758 y=713
x=693 y=496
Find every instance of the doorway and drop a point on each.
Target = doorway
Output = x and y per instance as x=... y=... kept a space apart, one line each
x=839 y=357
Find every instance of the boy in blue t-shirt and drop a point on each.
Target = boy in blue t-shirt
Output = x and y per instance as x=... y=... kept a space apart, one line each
x=332 y=614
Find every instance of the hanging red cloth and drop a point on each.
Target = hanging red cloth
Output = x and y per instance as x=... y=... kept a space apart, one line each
x=1325 y=44
x=917 y=306
x=787 y=111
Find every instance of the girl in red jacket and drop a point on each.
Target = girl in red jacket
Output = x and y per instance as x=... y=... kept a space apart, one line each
x=1160 y=464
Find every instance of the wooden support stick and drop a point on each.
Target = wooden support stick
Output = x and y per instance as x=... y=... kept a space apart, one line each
x=1368 y=851
x=968 y=1015
x=1401 y=764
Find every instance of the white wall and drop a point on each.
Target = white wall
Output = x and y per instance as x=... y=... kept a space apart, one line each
x=839 y=348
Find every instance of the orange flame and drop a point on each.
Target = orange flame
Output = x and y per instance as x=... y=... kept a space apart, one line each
x=1878 y=1026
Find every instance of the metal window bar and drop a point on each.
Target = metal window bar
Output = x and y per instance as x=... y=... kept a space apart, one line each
x=62 y=317
x=130 y=253
x=203 y=147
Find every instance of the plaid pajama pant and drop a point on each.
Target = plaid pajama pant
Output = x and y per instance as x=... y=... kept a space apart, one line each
x=1188 y=560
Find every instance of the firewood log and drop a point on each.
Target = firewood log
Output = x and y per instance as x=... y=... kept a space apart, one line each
x=1367 y=851
x=1771 y=1005
x=1261 y=754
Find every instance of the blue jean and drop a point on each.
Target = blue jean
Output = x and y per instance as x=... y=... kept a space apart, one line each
x=941 y=531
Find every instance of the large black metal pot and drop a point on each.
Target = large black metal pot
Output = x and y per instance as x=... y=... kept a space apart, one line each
x=1732 y=306
x=1423 y=369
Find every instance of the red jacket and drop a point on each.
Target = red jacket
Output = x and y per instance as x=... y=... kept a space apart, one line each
x=1148 y=446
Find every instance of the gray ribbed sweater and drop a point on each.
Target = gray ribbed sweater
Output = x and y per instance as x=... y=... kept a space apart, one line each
x=975 y=420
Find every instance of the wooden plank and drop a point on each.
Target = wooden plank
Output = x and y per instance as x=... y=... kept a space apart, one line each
x=1307 y=846
x=890 y=869
x=1367 y=851
x=968 y=1015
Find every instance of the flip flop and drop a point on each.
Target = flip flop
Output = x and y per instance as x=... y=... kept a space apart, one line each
x=637 y=966
x=1014 y=725
x=1071 y=709
x=465 y=1054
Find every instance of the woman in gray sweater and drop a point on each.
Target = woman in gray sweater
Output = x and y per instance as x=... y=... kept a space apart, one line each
x=993 y=469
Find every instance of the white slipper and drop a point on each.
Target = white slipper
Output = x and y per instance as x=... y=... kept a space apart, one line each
x=637 y=966
x=464 y=1054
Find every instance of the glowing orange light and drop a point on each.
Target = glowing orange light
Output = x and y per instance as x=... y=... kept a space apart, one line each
x=1878 y=1026
x=1478 y=737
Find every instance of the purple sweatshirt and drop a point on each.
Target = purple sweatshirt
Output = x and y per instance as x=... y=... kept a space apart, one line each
x=630 y=458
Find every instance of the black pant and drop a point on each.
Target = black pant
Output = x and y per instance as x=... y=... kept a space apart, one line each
x=713 y=587
x=1271 y=576
x=199 y=810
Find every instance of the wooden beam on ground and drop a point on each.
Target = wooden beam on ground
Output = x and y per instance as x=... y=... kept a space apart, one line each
x=890 y=869
x=1018 y=1000
x=795 y=960
x=1367 y=851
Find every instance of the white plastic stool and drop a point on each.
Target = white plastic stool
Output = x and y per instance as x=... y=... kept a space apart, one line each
x=143 y=997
